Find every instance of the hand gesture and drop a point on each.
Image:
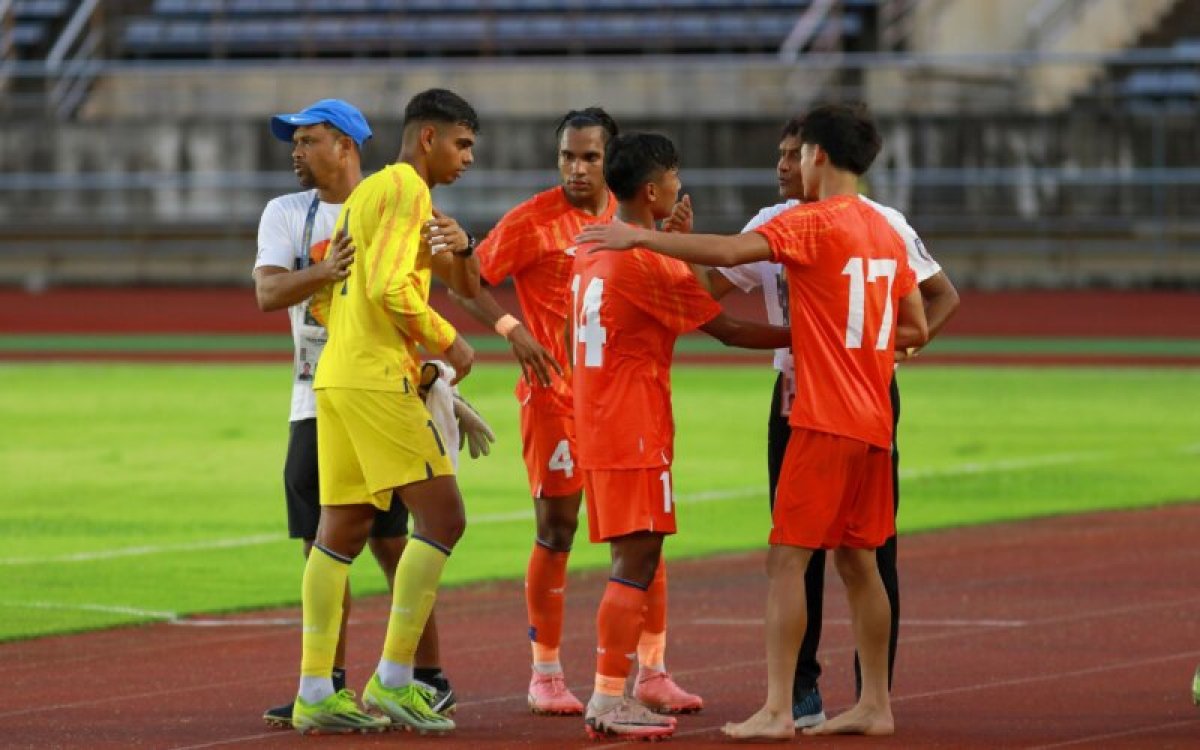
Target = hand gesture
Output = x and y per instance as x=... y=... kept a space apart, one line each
x=443 y=233
x=680 y=219
x=536 y=363
x=335 y=266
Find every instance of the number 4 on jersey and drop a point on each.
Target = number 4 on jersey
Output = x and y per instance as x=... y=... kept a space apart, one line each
x=560 y=459
x=591 y=334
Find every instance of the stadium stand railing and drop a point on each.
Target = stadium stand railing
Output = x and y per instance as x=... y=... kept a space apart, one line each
x=161 y=172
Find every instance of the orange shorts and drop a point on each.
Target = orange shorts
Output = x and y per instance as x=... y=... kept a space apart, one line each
x=548 y=441
x=622 y=501
x=834 y=491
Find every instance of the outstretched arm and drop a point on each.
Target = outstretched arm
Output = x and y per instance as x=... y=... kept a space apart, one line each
x=747 y=334
x=536 y=362
x=708 y=249
x=713 y=281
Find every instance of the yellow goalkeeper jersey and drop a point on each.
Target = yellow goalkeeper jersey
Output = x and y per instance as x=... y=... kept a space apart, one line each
x=379 y=315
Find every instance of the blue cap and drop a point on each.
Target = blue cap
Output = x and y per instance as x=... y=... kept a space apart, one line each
x=340 y=114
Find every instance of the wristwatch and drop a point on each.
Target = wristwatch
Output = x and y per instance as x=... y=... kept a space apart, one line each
x=470 y=246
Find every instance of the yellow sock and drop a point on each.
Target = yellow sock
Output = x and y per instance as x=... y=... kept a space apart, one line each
x=415 y=589
x=322 y=594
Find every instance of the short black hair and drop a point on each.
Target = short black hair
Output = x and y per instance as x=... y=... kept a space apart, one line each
x=846 y=132
x=441 y=105
x=591 y=117
x=633 y=159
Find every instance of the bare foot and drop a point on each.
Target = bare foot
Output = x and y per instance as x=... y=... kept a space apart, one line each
x=765 y=725
x=874 y=722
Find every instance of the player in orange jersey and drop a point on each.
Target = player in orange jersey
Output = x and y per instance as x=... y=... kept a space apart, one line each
x=533 y=243
x=853 y=299
x=628 y=310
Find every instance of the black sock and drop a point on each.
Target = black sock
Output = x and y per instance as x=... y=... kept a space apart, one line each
x=339 y=679
x=431 y=676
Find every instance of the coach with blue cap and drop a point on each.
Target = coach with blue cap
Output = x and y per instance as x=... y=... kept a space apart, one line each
x=333 y=112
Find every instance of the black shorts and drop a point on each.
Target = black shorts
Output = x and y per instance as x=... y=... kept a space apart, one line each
x=303 y=490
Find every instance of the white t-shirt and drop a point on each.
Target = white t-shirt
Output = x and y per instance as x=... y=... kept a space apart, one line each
x=771 y=278
x=281 y=243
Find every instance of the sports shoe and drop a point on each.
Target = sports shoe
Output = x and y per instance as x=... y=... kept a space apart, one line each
x=407 y=706
x=279 y=717
x=444 y=701
x=627 y=720
x=337 y=714
x=659 y=693
x=549 y=696
x=807 y=709
x=1196 y=687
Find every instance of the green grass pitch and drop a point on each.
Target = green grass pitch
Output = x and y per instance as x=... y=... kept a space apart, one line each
x=141 y=492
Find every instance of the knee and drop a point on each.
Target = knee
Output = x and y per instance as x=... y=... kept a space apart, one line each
x=453 y=526
x=558 y=533
x=855 y=566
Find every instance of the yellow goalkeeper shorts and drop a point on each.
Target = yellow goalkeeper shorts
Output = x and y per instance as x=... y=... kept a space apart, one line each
x=371 y=442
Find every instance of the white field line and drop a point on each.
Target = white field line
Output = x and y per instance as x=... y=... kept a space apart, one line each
x=173 y=618
x=693 y=498
x=1096 y=738
x=149 y=549
x=951 y=623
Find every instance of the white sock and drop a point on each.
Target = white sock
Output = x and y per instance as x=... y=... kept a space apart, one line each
x=647 y=668
x=394 y=674
x=602 y=702
x=547 y=667
x=315 y=689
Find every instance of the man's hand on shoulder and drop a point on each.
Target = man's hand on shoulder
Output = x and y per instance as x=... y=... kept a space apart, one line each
x=443 y=233
x=616 y=235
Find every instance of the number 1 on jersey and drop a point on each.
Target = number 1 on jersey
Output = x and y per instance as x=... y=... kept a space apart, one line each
x=591 y=334
x=876 y=268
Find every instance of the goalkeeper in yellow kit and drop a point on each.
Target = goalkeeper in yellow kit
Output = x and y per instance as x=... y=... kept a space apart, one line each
x=377 y=440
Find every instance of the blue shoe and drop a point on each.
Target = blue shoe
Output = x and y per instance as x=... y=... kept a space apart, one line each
x=807 y=709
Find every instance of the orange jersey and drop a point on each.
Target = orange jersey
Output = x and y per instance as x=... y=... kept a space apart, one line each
x=629 y=307
x=531 y=243
x=847 y=269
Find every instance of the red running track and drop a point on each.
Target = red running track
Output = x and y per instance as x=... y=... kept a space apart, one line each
x=1077 y=631
x=232 y=310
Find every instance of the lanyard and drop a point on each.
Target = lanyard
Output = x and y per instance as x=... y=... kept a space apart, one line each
x=306 y=238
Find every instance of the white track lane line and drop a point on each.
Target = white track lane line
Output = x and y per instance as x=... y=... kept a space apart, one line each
x=1114 y=735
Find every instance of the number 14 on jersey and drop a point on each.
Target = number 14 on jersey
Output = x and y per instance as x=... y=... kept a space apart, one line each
x=591 y=334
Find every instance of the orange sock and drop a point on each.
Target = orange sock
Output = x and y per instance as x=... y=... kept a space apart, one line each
x=653 y=644
x=618 y=628
x=545 y=580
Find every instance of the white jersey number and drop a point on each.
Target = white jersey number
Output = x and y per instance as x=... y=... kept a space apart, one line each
x=560 y=459
x=665 y=477
x=875 y=268
x=591 y=334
